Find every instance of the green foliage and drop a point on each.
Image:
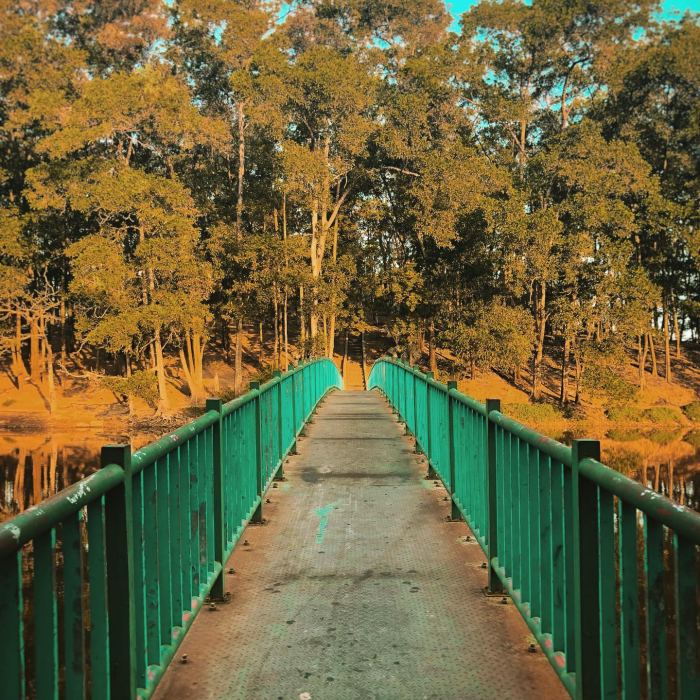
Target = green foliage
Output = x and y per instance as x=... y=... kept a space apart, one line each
x=141 y=384
x=662 y=414
x=692 y=411
x=625 y=414
x=532 y=413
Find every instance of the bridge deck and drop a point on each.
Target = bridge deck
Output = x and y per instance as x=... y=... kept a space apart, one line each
x=357 y=587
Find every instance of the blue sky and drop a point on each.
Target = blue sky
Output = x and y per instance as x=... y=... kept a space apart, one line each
x=671 y=8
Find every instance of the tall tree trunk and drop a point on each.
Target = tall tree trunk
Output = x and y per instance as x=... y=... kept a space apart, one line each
x=540 y=324
x=35 y=359
x=667 y=346
x=127 y=374
x=276 y=316
x=302 y=324
x=286 y=329
x=644 y=350
x=345 y=355
x=240 y=115
x=238 y=364
x=652 y=351
x=578 y=375
x=163 y=401
x=50 y=377
x=677 y=331
x=18 y=367
x=64 y=331
x=432 y=358
x=261 y=345
x=564 y=387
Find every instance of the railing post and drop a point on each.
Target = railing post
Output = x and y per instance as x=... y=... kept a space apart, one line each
x=495 y=585
x=280 y=427
x=585 y=530
x=428 y=451
x=415 y=410
x=217 y=591
x=455 y=513
x=293 y=449
x=257 y=515
x=119 y=555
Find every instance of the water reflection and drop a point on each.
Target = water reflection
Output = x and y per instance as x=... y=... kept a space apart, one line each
x=666 y=460
x=34 y=466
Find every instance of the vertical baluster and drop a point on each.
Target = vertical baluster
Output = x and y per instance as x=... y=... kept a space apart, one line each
x=73 y=628
x=185 y=574
x=657 y=655
x=506 y=556
x=163 y=553
x=570 y=612
x=687 y=642
x=218 y=486
x=559 y=556
x=11 y=622
x=45 y=616
x=210 y=555
x=454 y=510
x=533 y=518
x=150 y=536
x=257 y=452
x=99 y=620
x=176 y=538
x=514 y=510
x=523 y=521
x=545 y=542
x=629 y=601
x=491 y=526
x=139 y=580
x=607 y=594
x=194 y=517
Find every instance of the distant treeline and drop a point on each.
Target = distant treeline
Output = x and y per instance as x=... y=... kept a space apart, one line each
x=173 y=173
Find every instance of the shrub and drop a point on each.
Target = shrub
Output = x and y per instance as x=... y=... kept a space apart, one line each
x=692 y=410
x=623 y=414
x=664 y=437
x=532 y=412
x=662 y=414
x=622 y=435
x=693 y=439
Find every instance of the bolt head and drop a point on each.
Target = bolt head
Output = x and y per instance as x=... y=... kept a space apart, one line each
x=532 y=648
x=483 y=564
x=183 y=659
x=504 y=601
x=274 y=486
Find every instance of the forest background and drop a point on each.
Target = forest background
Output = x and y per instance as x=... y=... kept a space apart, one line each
x=197 y=192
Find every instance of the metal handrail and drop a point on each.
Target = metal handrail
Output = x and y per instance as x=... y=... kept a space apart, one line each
x=141 y=543
x=567 y=537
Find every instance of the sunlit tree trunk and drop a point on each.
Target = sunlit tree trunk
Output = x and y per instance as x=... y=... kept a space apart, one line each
x=238 y=363
x=564 y=387
x=667 y=346
x=652 y=352
x=540 y=323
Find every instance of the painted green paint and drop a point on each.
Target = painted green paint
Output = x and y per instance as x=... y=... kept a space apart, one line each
x=544 y=515
x=160 y=523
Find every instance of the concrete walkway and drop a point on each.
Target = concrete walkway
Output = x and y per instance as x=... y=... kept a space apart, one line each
x=357 y=587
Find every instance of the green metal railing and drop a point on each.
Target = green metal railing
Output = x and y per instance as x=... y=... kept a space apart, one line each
x=99 y=584
x=603 y=570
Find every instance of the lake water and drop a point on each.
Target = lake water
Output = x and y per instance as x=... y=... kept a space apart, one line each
x=34 y=466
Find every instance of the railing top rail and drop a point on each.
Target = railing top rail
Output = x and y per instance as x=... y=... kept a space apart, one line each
x=679 y=518
x=39 y=518
x=43 y=516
